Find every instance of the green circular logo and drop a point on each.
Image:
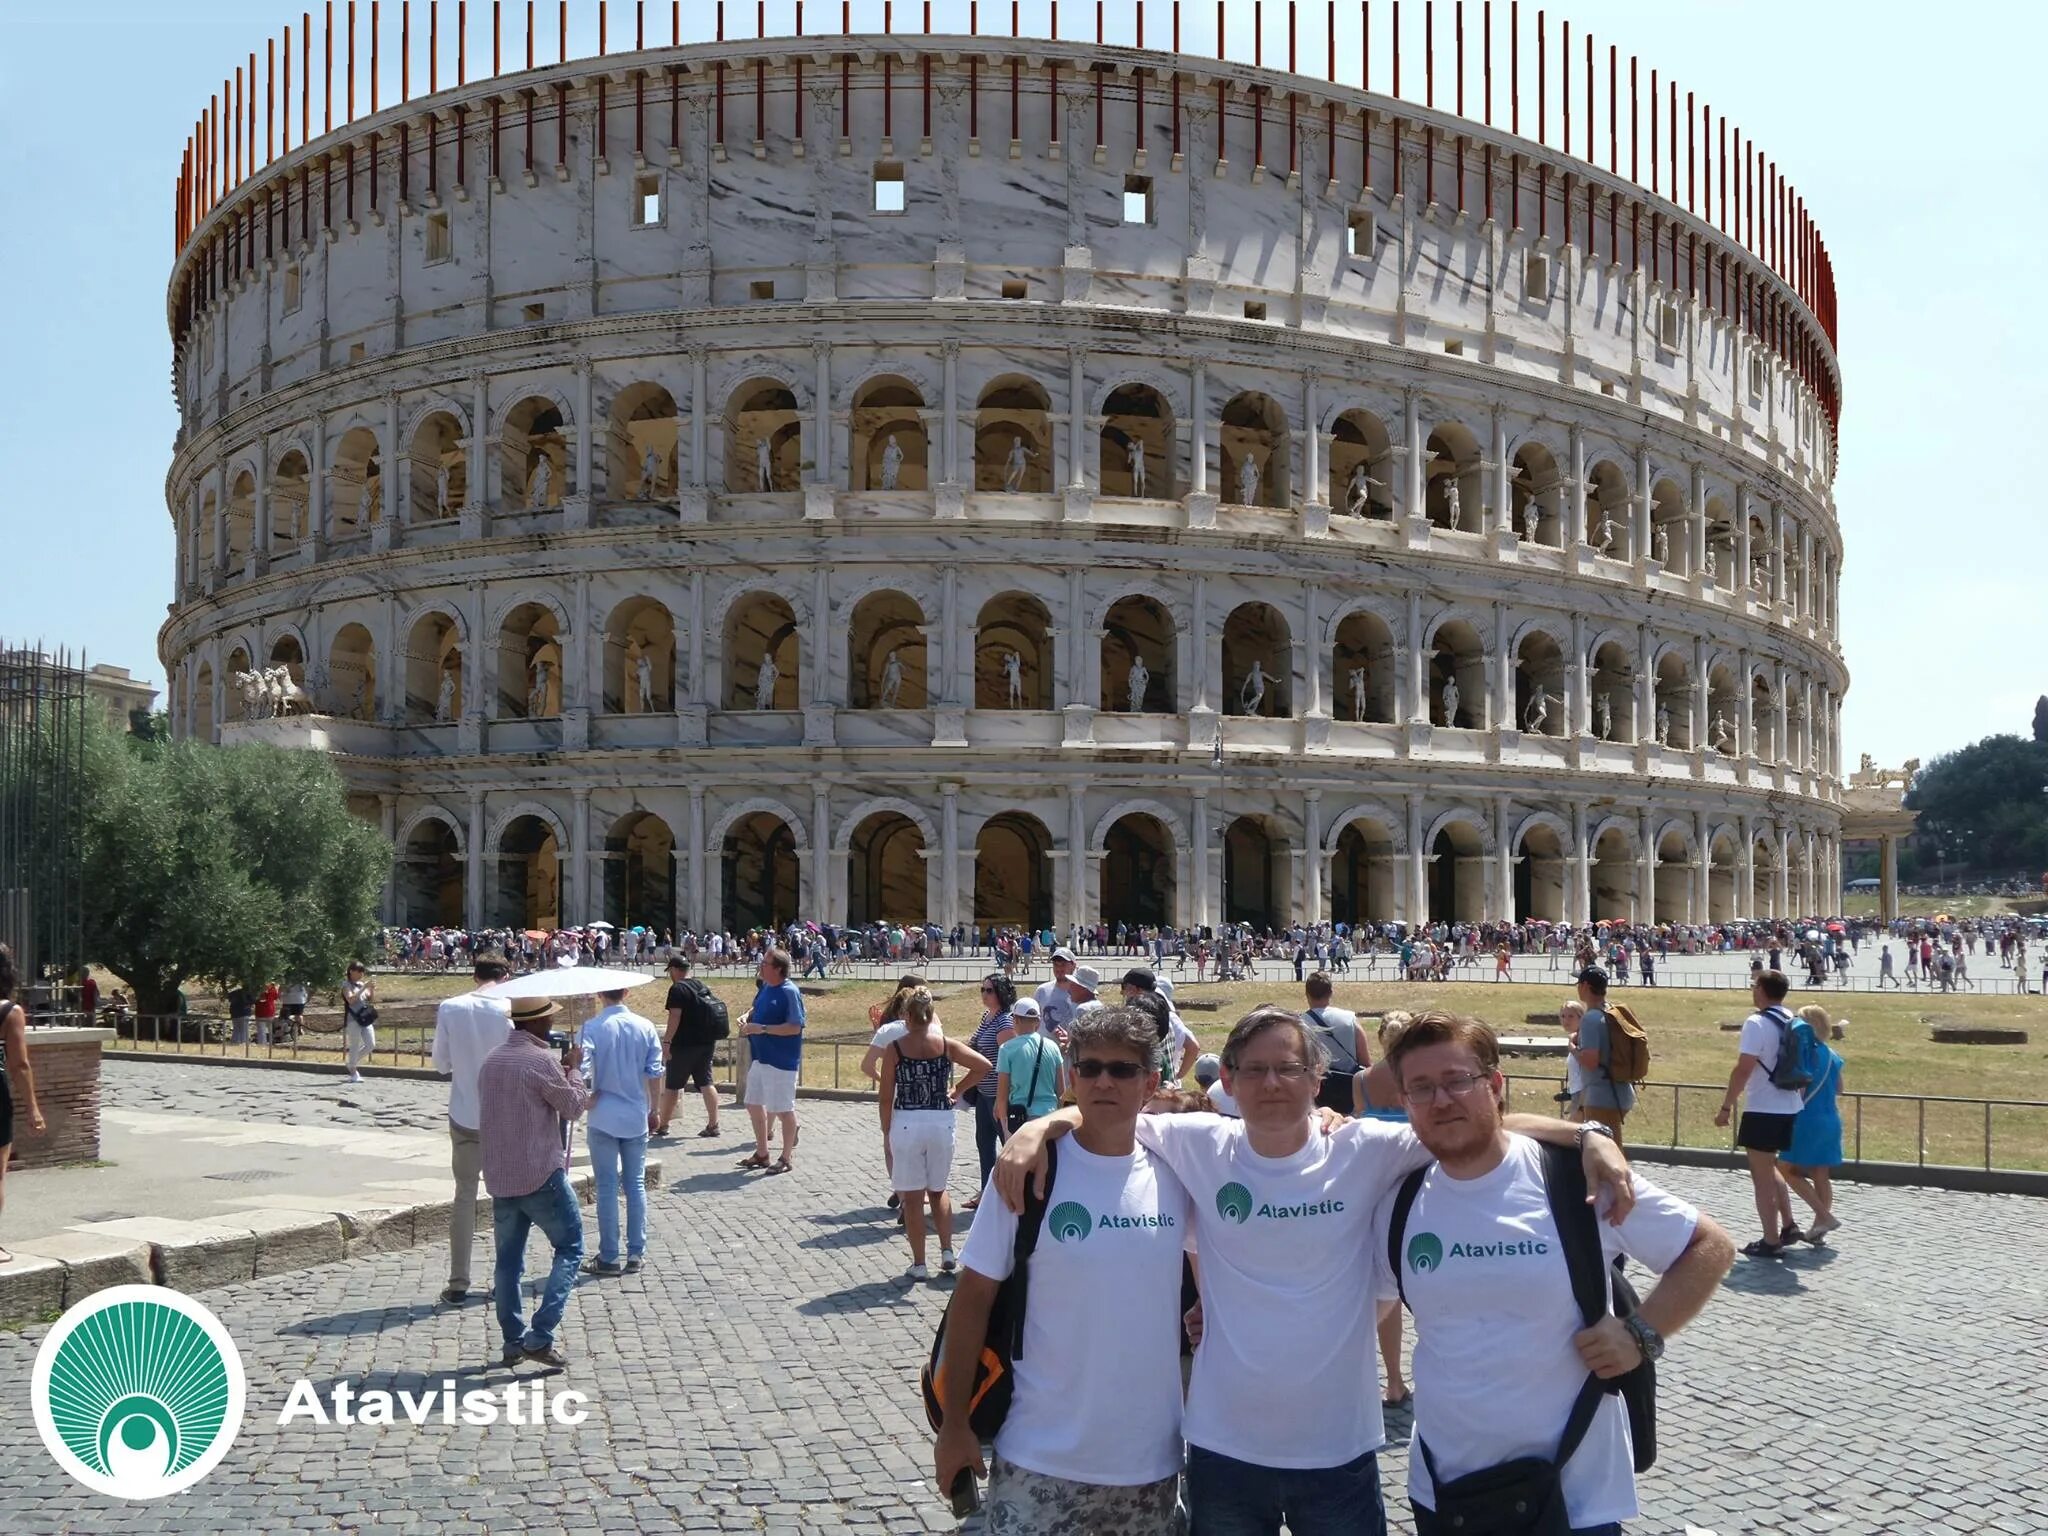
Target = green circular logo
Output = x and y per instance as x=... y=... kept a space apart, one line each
x=1425 y=1252
x=137 y=1392
x=1069 y=1219
x=1235 y=1202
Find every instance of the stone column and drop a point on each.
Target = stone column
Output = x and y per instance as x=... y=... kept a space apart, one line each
x=1573 y=510
x=259 y=524
x=1646 y=688
x=949 y=872
x=1414 y=502
x=1702 y=869
x=1315 y=492
x=1313 y=651
x=1745 y=712
x=694 y=909
x=1503 y=485
x=582 y=660
x=1646 y=878
x=586 y=431
x=1312 y=857
x=1803 y=599
x=1781 y=533
x=316 y=493
x=1781 y=896
x=818 y=496
x=1504 y=863
x=1198 y=430
x=828 y=893
x=1700 y=691
x=1783 y=704
x=396 y=491
x=949 y=421
x=1200 y=910
x=1077 y=418
x=1642 y=504
x=1418 y=663
x=473 y=864
x=1578 y=707
x=1418 y=883
x=1696 y=528
x=477 y=451
x=1743 y=553
x=387 y=822
x=1745 y=873
x=1077 y=854
x=1581 y=894
x=1503 y=690
x=581 y=903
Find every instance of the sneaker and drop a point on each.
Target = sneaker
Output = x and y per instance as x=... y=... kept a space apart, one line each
x=633 y=1266
x=603 y=1267
x=552 y=1354
x=895 y=1202
x=919 y=1272
x=514 y=1353
x=455 y=1295
x=947 y=1262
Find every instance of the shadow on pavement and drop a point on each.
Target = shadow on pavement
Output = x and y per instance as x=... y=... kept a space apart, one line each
x=878 y=1295
x=1777 y=1277
x=366 y=1319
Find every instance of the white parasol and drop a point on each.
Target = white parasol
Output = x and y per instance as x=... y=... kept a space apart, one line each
x=600 y=923
x=567 y=981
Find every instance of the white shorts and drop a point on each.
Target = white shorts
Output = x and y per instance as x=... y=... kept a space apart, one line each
x=920 y=1150
x=773 y=1088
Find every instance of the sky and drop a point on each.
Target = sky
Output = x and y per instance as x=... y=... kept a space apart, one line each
x=1911 y=132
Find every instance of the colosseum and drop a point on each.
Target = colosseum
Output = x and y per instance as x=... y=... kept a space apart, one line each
x=1014 y=480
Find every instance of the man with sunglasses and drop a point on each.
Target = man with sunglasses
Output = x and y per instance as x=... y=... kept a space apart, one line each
x=1092 y=1441
x=1283 y=1414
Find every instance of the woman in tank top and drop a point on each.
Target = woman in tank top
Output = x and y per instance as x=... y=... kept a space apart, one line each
x=918 y=1104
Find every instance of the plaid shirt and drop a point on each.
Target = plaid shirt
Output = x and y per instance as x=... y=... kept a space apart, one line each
x=523 y=1096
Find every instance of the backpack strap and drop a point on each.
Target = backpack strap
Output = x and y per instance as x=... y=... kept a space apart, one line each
x=1029 y=1224
x=1397 y=1225
x=1578 y=1234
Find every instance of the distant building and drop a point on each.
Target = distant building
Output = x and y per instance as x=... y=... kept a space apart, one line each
x=118 y=692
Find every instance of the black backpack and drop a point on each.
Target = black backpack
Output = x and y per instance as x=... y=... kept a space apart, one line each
x=995 y=1372
x=714 y=1019
x=1578 y=1233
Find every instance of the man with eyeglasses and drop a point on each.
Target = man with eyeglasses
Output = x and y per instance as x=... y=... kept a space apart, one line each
x=1283 y=1414
x=1092 y=1440
x=1479 y=1240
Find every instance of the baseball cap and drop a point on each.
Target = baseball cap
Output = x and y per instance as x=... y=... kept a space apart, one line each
x=1208 y=1067
x=1087 y=976
x=1064 y=955
x=1024 y=1008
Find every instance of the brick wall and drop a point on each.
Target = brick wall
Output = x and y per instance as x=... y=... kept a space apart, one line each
x=68 y=1091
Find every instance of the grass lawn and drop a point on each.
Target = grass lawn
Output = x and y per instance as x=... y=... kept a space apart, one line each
x=1864 y=904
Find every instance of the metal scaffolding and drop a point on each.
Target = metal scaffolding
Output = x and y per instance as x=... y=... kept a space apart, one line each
x=42 y=810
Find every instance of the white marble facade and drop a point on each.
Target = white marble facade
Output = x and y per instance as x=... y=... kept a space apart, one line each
x=604 y=608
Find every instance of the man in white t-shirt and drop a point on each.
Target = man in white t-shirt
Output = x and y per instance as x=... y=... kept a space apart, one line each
x=1283 y=1415
x=1092 y=1441
x=466 y=1030
x=1765 y=1129
x=1055 y=1003
x=1480 y=1241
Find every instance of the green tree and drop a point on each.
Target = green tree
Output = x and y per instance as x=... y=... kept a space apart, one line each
x=1985 y=803
x=2041 y=719
x=236 y=865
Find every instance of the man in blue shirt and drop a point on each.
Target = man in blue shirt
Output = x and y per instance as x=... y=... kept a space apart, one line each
x=623 y=1067
x=774 y=1027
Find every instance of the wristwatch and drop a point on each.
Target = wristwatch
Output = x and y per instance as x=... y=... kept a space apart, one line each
x=1648 y=1339
x=1595 y=1128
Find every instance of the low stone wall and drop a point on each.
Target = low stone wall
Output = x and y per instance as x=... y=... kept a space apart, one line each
x=66 y=1062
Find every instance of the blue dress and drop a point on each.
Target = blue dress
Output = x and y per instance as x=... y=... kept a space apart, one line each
x=1817 y=1133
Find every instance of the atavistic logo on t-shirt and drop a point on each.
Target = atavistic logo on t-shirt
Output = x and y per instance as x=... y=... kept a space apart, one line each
x=1426 y=1251
x=1069 y=1219
x=1235 y=1202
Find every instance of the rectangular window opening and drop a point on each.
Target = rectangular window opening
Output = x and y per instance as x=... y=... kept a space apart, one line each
x=1670 y=324
x=293 y=292
x=762 y=290
x=1254 y=309
x=1536 y=276
x=1137 y=199
x=440 y=238
x=1016 y=288
x=1362 y=233
x=646 y=200
x=1759 y=377
x=888 y=187
x=535 y=313
x=1455 y=348
x=355 y=351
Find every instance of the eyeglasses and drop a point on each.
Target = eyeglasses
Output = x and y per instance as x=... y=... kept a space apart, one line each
x=988 y=991
x=1459 y=1087
x=1266 y=1071
x=1092 y=1067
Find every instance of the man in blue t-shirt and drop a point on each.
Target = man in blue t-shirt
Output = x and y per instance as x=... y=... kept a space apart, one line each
x=774 y=1029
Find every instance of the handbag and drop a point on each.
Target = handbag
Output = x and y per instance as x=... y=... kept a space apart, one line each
x=365 y=1016
x=1523 y=1497
x=1014 y=1115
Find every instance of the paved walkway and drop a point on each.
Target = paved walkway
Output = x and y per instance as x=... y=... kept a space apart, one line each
x=760 y=1376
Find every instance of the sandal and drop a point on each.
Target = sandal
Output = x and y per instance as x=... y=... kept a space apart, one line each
x=782 y=1166
x=1763 y=1250
x=758 y=1160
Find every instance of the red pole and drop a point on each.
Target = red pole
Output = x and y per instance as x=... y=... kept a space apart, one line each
x=1653 y=127
x=269 y=100
x=405 y=50
x=1515 y=71
x=1564 y=93
x=287 y=90
x=373 y=64
x=1458 y=32
x=1486 y=22
x=462 y=42
x=351 y=57
x=1397 y=47
x=327 y=85
x=1429 y=53
x=235 y=135
x=434 y=44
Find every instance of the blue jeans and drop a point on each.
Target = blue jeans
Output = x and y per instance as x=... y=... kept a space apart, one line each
x=608 y=1154
x=1228 y=1497
x=553 y=1209
x=987 y=1134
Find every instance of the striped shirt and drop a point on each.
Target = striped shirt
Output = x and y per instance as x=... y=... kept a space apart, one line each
x=523 y=1096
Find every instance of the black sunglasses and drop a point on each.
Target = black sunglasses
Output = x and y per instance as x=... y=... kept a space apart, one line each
x=1122 y=1071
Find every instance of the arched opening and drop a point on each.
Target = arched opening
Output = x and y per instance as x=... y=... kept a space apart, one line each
x=1539 y=875
x=352 y=673
x=1457 y=677
x=438 y=468
x=1012 y=884
x=290 y=484
x=1013 y=659
x=1137 y=872
x=1724 y=711
x=1362 y=874
x=1670 y=546
x=1721 y=872
x=1763 y=717
x=1536 y=496
x=1614 y=878
x=241 y=523
x=238 y=667
x=1137 y=657
x=1013 y=437
x=1457 y=875
x=1672 y=726
x=1254 y=444
x=1258 y=662
x=1608 y=527
x=1763 y=879
x=887 y=430
x=1759 y=573
x=1136 y=446
x=885 y=871
x=205 y=549
x=1452 y=488
x=530 y=664
x=1361 y=465
x=285 y=652
x=640 y=444
x=1362 y=668
x=1611 y=683
x=761 y=653
x=1539 y=685
x=1256 y=870
x=430 y=877
x=355 y=498
x=529 y=893
x=758 y=868
x=433 y=671
x=202 y=704
x=1720 y=539
x=639 y=659
x=763 y=438
x=535 y=455
x=1671 y=900
x=639 y=873
x=886 y=653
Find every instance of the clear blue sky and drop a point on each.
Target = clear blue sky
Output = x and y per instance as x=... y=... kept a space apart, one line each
x=1913 y=133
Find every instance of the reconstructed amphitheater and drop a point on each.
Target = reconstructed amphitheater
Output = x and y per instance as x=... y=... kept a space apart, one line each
x=1014 y=480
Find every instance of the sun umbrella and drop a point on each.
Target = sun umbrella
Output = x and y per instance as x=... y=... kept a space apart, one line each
x=600 y=923
x=536 y=934
x=1813 y=933
x=567 y=981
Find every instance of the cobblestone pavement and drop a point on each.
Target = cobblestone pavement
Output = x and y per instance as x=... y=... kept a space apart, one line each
x=761 y=1375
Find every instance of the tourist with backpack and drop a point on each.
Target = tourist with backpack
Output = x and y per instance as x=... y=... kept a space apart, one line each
x=1091 y=1437
x=1817 y=1132
x=1771 y=1082
x=1537 y=1422
x=1612 y=1056
x=1343 y=1043
x=697 y=1020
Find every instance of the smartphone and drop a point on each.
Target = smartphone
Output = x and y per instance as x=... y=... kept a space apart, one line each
x=966 y=1493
